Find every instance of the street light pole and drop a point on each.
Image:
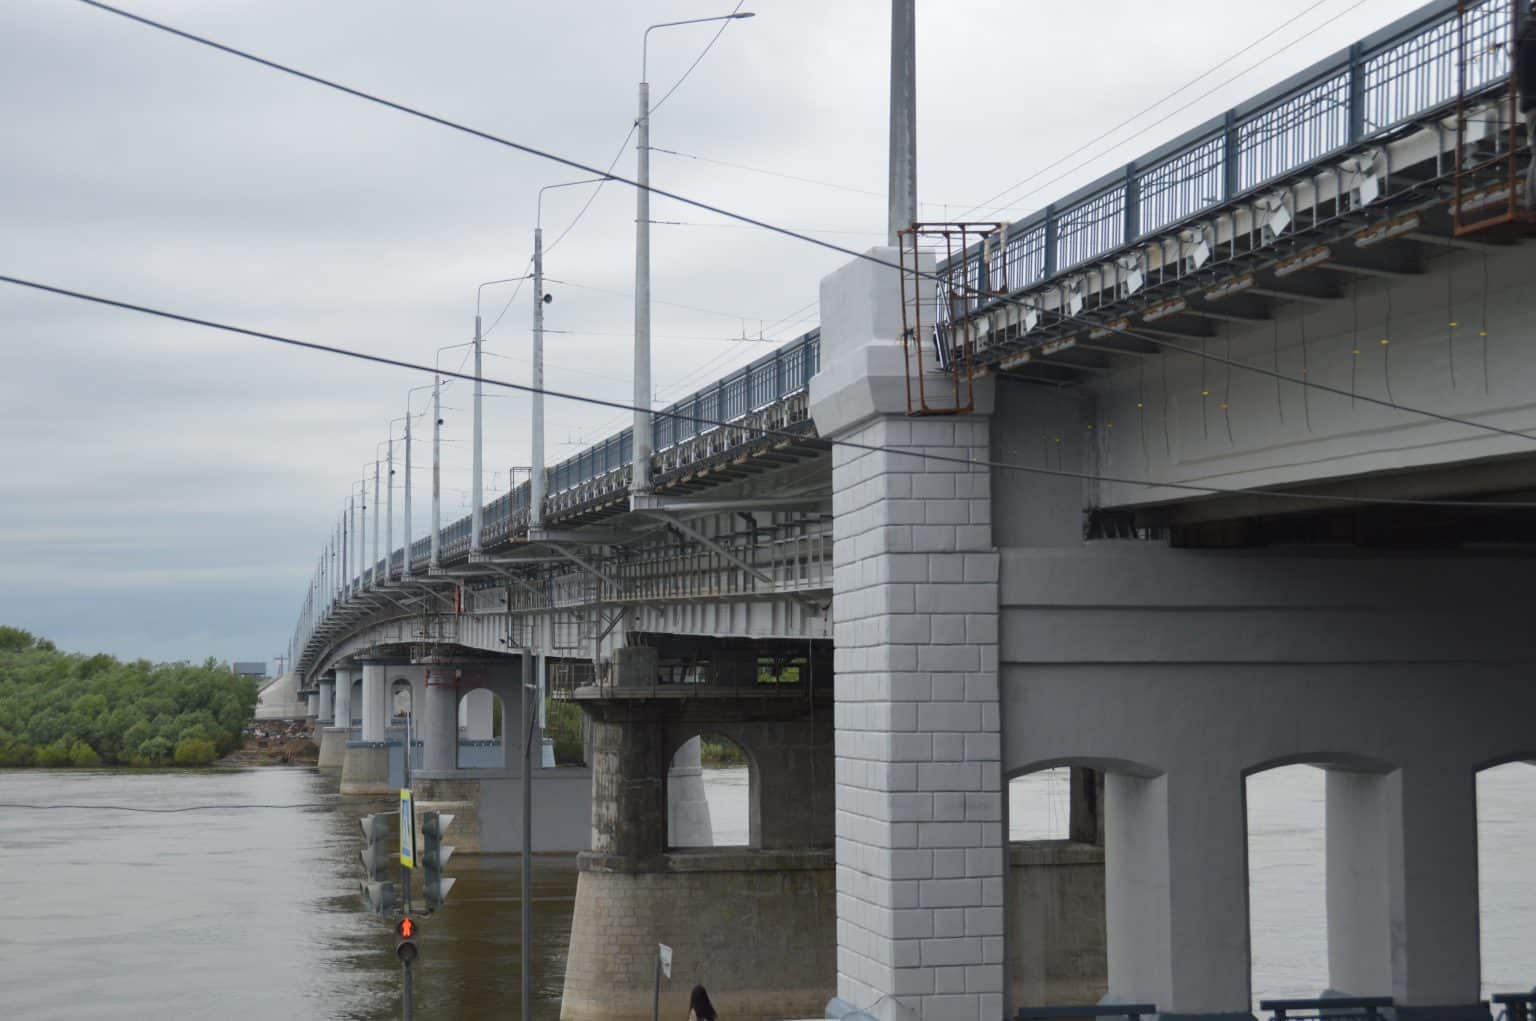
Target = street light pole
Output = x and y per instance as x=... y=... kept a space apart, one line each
x=437 y=467
x=640 y=470
x=373 y=573
x=475 y=516
x=536 y=482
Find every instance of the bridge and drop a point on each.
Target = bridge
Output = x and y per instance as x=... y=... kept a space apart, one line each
x=1223 y=463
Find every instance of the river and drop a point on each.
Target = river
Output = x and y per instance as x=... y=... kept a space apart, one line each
x=254 y=912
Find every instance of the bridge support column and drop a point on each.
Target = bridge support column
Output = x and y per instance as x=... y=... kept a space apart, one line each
x=755 y=924
x=920 y=844
x=1431 y=866
x=333 y=738
x=1176 y=892
x=327 y=704
x=312 y=705
x=1359 y=908
x=688 y=822
x=479 y=780
x=365 y=769
x=440 y=721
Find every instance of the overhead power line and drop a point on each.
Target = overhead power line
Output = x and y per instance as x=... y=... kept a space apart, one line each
x=922 y=454
x=697 y=204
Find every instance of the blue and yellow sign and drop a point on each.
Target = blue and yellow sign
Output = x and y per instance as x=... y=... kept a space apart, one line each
x=407 y=829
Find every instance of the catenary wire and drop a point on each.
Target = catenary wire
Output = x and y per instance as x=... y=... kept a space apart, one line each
x=164 y=811
x=695 y=203
x=724 y=24
x=973 y=462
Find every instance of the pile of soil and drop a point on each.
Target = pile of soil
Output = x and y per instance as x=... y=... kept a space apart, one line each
x=275 y=743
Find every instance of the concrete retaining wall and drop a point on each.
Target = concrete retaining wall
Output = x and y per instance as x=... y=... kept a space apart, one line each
x=1056 y=923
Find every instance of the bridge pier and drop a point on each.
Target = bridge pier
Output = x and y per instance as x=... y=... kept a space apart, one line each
x=921 y=849
x=365 y=768
x=334 y=735
x=754 y=923
x=479 y=778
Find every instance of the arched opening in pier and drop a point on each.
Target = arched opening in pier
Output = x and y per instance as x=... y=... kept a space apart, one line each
x=400 y=701
x=1287 y=877
x=565 y=725
x=1040 y=805
x=1506 y=874
x=482 y=719
x=1054 y=885
x=357 y=702
x=709 y=794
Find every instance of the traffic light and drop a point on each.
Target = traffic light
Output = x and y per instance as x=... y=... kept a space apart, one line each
x=434 y=856
x=378 y=892
x=405 y=939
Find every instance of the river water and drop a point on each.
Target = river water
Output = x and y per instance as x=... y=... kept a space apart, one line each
x=253 y=912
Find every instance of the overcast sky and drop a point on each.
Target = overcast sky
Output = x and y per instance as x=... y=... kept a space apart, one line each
x=165 y=490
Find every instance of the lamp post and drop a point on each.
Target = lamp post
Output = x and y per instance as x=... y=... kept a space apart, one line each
x=536 y=481
x=640 y=472
x=476 y=516
x=437 y=446
x=405 y=570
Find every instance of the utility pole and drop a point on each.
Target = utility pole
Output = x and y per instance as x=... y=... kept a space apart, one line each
x=527 y=885
x=475 y=517
x=640 y=435
x=373 y=573
x=389 y=497
x=536 y=479
x=903 y=160
x=405 y=569
x=437 y=468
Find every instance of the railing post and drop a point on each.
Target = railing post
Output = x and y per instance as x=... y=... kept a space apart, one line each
x=1050 y=241
x=1132 y=205
x=1356 y=92
x=1232 y=177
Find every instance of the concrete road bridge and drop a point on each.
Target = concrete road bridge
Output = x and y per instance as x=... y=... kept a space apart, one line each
x=1223 y=463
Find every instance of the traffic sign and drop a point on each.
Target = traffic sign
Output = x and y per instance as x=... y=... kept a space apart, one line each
x=666 y=959
x=407 y=830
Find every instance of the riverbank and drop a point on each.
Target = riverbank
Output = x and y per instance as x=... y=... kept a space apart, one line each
x=274 y=743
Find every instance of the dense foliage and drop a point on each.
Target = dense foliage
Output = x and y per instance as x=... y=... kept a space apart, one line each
x=61 y=709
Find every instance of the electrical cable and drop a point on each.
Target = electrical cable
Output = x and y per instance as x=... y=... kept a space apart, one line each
x=923 y=454
x=695 y=203
x=724 y=24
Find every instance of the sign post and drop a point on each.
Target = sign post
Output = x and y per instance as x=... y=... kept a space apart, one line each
x=663 y=967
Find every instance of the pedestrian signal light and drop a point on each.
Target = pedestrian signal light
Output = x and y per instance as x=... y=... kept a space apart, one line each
x=405 y=939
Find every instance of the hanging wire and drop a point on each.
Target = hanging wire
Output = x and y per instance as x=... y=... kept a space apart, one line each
x=1450 y=311
x=1483 y=330
x=1205 y=392
x=1279 y=396
x=1306 y=399
x=1141 y=409
x=1226 y=397
x=1167 y=441
x=1386 y=343
x=1354 y=347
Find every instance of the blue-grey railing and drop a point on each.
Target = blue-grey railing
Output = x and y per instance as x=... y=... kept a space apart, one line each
x=1514 y=1006
x=1395 y=76
x=781 y=373
x=1129 y=1011
x=1328 y=1008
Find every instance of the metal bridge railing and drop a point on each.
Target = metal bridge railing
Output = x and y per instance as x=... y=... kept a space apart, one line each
x=1129 y=1011
x=1379 y=84
x=1515 y=1006
x=1329 y=1008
